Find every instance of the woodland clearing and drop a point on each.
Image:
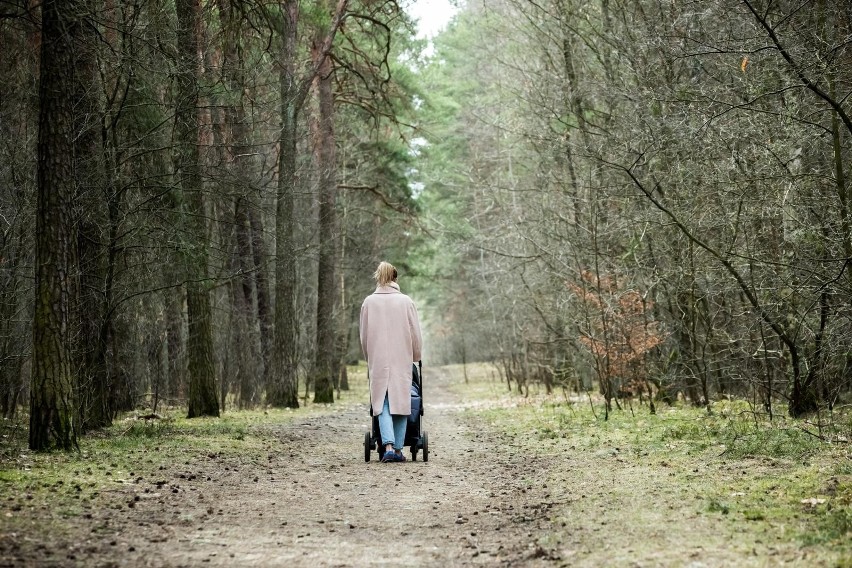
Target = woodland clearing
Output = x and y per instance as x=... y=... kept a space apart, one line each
x=511 y=481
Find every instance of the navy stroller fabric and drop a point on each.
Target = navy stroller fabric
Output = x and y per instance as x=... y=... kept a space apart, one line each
x=415 y=396
x=415 y=403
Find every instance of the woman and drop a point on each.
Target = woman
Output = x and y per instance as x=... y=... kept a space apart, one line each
x=390 y=339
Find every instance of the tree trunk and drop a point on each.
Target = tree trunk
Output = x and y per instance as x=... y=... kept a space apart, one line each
x=176 y=375
x=251 y=335
x=246 y=344
x=284 y=388
x=203 y=400
x=327 y=360
x=261 y=285
x=90 y=215
x=52 y=405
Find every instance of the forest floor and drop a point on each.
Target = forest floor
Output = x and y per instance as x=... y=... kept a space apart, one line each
x=510 y=481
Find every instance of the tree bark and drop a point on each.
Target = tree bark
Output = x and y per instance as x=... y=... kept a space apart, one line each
x=90 y=215
x=252 y=335
x=283 y=390
x=52 y=405
x=203 y=400
x=246 y=344
x=327 y=361
x=260 y=254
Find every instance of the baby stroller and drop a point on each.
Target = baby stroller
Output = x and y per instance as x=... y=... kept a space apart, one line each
x=415 y=438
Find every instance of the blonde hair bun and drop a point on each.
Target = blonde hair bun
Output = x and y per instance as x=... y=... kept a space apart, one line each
x=385 y=273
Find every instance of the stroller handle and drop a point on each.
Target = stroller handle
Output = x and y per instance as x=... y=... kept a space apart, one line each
x=420 y=374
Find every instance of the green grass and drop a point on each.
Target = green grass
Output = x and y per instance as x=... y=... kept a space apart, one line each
x=716 y=506
x=130 y=449
x=778 y=441
x=744 y=468
x=67 y=484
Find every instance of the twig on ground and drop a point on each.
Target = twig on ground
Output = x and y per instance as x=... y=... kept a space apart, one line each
x=815 y=435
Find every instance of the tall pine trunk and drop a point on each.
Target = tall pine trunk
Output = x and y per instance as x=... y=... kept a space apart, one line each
x=284 y=388
x=327 y=360
x=203 y=400
x=92 y=312
x=52 y=406
x=250 y=293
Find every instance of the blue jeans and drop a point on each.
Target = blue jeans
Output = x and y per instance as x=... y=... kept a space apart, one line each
x=392 y=427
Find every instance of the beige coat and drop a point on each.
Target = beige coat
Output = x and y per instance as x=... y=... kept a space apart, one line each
x=391 y=341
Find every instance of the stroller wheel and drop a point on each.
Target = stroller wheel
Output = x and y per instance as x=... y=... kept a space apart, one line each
x=414 y=453
x=367 y=444
x=425 y=440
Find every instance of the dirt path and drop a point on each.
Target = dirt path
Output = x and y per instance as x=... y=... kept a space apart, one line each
x=327 y=507
x=314 y=502
x=309 y=499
